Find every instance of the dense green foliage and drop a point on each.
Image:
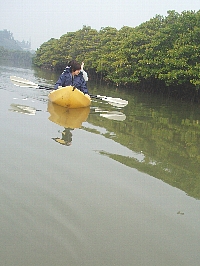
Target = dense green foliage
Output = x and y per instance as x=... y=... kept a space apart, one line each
x=163 y=49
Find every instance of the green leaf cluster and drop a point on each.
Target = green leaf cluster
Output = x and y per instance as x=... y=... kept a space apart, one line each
x=165 y=49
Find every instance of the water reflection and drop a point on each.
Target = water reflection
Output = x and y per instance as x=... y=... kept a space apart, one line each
x=66 y=138
x=23 y=109
x=67 y=118
x=112 y=115
x=166 y=132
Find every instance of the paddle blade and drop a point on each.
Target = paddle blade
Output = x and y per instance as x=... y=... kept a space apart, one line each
x=23 y=82
x=118 y=102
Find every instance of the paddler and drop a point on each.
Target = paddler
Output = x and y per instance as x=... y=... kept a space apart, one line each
x=73 y=75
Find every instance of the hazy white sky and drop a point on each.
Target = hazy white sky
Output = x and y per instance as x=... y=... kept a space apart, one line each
x=41 y=20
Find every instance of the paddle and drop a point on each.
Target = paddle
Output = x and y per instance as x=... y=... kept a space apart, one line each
x=26 y=83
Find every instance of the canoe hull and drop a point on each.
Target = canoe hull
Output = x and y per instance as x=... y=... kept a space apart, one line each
x=69 y=97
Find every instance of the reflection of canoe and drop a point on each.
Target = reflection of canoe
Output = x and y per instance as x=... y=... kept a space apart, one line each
x=68 y=118
x=69 y=97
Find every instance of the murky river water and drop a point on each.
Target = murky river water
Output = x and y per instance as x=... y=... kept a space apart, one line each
x=105 y=186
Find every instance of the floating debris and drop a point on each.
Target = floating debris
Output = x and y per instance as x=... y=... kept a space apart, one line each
x=181 y=213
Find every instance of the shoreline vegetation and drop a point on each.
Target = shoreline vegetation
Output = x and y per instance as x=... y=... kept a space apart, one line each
x=161 y=55
x=13 y=51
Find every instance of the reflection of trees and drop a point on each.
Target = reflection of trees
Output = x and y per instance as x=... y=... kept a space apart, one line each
x=182 y=178
x=168 y=141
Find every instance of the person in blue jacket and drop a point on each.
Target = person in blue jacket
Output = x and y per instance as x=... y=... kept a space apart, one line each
x=73 y=75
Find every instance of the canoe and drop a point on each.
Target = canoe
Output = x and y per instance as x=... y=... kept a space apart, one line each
x=69 y=97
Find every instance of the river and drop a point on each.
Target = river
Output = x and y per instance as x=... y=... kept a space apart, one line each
x=103 y=186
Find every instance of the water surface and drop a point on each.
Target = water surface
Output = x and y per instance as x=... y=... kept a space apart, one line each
x=84 y=189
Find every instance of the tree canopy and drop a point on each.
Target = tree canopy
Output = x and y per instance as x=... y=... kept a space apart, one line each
x=164 y=49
